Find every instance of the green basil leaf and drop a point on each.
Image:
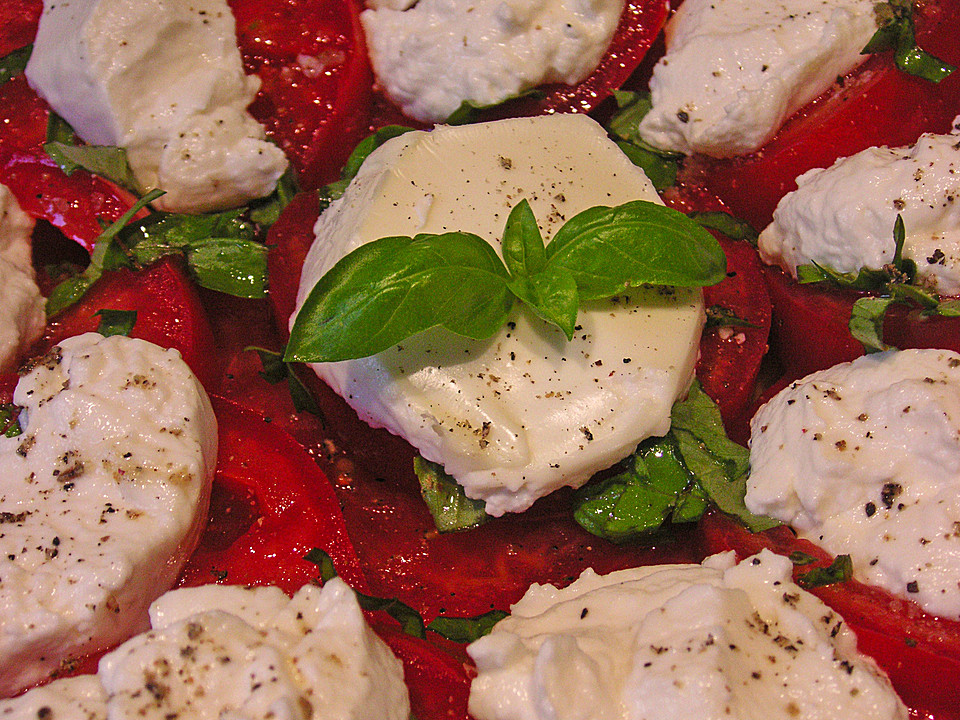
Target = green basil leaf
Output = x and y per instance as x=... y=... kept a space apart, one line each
x=387 y=290
x=949 y=308
x=897 y=33
x=801 y=558
x=106 y=161
x=899 y=237
x=661 y=171
x=13 y=64
x=173 y=230
x=69 y=292
x=265 y=211
x=451 y=509
x=840 y=570
x=466 y=630
x=720 y=316
x=632 y=108
x=927 y=299
x=10 y=420
x=228 y=265
x=116 y=322
x=59 y=130
x=275 y=371
x=470 y=112
x=733 y=227
x=610 y=249
x=523 y=249
x=866 y=322
x=552 y=295
x=865 y=279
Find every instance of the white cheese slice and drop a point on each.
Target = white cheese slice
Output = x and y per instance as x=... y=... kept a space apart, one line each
x=673 y=642
x=218 y=652
x=519 y=415
x=843 y=216
x=102 y=498
x=164 y=80
x=863 y=459
x=22 y=307
x=735 y=70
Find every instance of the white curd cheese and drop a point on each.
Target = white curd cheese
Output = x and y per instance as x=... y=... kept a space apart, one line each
x=102 y=498
x=843 y=216
x=519 y=415
x=864 y=459
x=225 y=652
x=164 y=80
x=672 y=642
x=432 y=55
x=22 y=315
x=735 y=70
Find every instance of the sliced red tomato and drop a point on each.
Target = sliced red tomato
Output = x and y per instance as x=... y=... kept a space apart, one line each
x=874 y=105
x=920 y=652
x=168 y=310
x=316 y=80
x=18 y=23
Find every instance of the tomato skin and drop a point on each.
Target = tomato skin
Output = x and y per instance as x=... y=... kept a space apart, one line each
x=876 y=105
x=18 y=23
x=920 y=652
x=168 y=310
x=316 y=112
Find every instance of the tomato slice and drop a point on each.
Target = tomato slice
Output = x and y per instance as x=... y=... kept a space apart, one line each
x=316 y=79
x=920 y=652
x=168 y=310
x=18 y=23
x=875 y=105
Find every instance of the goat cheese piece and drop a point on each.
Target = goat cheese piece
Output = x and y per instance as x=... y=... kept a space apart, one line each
x=864 y=459
x=22 y=314
x=102 y=498
x=525 y=412
x=843 y=216
x=238 y=652
x=432 y=55
x=164 y=80
x=735 y=70
x=670 y=642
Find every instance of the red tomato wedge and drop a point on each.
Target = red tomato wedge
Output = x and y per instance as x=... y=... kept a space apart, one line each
x=920 y=652
x=316 y=79
x=875 y=105
x=18 y=23
x=168 y=310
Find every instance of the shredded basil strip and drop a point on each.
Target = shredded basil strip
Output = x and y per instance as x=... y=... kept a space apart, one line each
x=13 y=64
x=276 y=371
x=116 y=322
x=720 y=316
x=897 y=33
x=660 y=166
x=798 y=557
x=392 y=288
x=466 y=630
x=10 y=420
x=731 y=226
x=840 y=570
x=449 y=505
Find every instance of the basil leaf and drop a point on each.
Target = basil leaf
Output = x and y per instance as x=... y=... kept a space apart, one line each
x=610 y=249
x=840 y=570
x=228 y=265
x=275 y=371
x=10 y=420
x=59 y=130
x=387 y=290
x=361 y=152
x=174 y=230
x=733 y=227
x=720 y=316
x=865 y=279
x=324 y=563
x=949 y=308
x=451 y=509
x=866 y=322
x=633 y=107
x=466 y=630
x=661 y=171
x=106 y=161
x=552 y=295
x=470 y=112
x=659 y=165
x=116 y=322
x=897 y=33
x=523 y=249
x=265 y=211
x=798 y=557
x=13 y=64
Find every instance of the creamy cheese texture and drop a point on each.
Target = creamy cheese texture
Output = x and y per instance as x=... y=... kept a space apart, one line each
x=864 y=459
x=219 y=652
x=735 y=70
x=102 y=498
x=22 y=315
x=673 y=642
x=843 y=216
x=432 y=55
x=519 y=415
x=164 y=80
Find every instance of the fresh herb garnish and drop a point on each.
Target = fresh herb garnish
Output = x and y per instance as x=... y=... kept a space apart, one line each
x=116 y=322
x=798 y=557
x=449 y=505
x=895 y=282
x=897 y=32
x=333 y=191
x=13 y=64
x=720 y=316
x=466 y=630
x=389 y=289
x=106 y=161
x=731 y=226
x=840 y=570
x=470 y=112
x=10 y=420
x=275 y=371
x=659 y=165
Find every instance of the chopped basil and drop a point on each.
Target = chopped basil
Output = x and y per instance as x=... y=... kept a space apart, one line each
x=659 y=165
x=733 y=227
x=897 y=32
x=840 y=570
x=801 y=558
x=10 y=420
x=13 y=64
x=466 y=630
x=389 y=289
x=720 y=316
x=470 y=112
x=866 y=322
x=106 y=161
x=265 y=211
x=275 y=371
x=116 y=322
x=450 y=507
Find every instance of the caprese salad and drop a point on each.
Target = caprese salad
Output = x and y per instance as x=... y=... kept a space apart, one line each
x=422 y=358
